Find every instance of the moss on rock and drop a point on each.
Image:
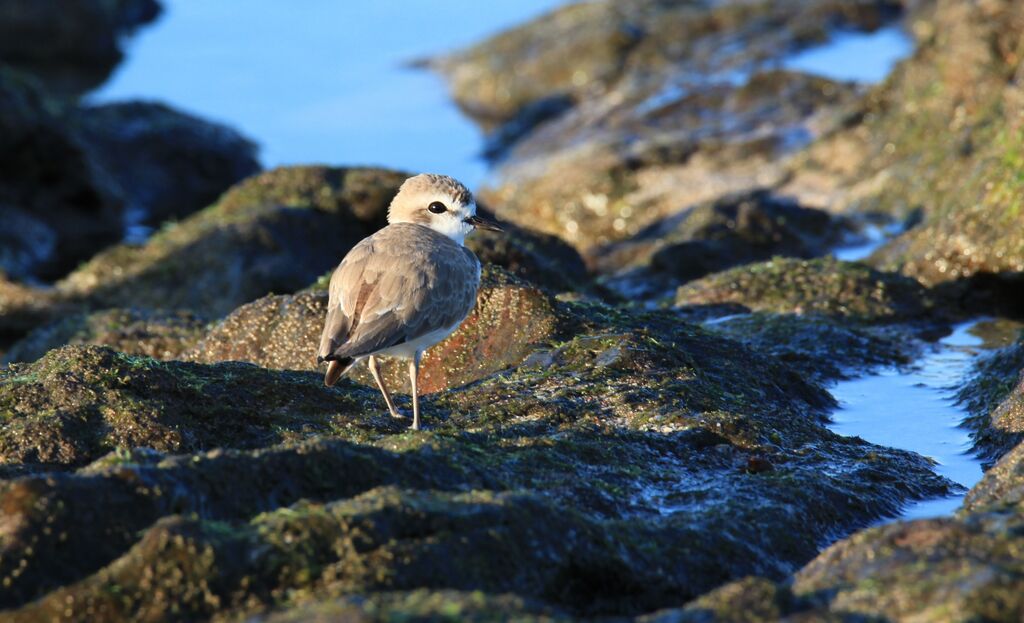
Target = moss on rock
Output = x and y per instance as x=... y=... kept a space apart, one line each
x=994 y=396
x=510 y=319
x=824 y=286
x=962 y=569
x=277 y=231
x=158 y=334
x=79 y=402
x=820 y=347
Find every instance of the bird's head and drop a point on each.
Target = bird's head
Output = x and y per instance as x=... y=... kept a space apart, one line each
x=439 y=202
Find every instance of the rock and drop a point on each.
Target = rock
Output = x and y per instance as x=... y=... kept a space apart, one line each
x=951 y=569
x=71 y=177
x=517 y=71
x=541 y=259
x=63 y=206
x=750 y=600
x=1003 y=484
x=659 y=109
x=994 y=396
x=79 y=402
x=823 y=286
x=942 y=139
x=610 y=475
x=159 y=334
x=72 y=46
x=23 y=307
x=165 y=164
x=276 y=232
x=819 y=347
x=510 y=319
x=419 y=604
x=593 y=177
x=716 y=235
x=26 y=242
x=140 y=487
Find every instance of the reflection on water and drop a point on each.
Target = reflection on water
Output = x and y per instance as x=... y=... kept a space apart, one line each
x=320 y=81
x=855 y=56
x=915 y=409
x=867 y=241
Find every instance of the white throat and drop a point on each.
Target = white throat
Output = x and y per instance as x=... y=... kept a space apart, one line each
x=454 y=229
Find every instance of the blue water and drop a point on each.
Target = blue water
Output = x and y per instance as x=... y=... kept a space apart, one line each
x=320 y=81
x=855 y=56
x=323 y=81
x=915 y=408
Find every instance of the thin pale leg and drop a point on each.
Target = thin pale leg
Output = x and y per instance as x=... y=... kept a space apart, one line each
x=414 y=371
x=375 y=371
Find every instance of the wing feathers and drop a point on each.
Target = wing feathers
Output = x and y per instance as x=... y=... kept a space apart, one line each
x=401 y=283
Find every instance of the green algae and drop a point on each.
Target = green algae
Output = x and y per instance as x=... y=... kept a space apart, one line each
x=826 y=286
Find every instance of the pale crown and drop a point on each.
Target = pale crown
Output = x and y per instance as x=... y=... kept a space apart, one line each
x=439 y=202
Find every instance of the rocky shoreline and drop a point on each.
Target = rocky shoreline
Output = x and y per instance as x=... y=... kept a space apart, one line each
x=633 y=422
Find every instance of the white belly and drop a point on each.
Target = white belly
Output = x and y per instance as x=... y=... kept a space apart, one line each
x=408 y=350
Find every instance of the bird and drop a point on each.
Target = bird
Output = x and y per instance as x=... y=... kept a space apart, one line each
x=406 y=287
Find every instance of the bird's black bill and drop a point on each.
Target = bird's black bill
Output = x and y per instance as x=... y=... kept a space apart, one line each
x=482 y=223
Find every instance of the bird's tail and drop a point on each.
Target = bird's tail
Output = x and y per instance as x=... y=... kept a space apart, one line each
x=336 y=368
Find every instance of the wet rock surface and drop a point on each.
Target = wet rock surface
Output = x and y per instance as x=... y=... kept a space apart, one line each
x=712 y=237
x=651 y=417
x=941 y=139
x=820 y=347
x=584 y=456
x=675 y=115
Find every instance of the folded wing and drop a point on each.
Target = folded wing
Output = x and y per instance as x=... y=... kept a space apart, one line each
x=401 y=283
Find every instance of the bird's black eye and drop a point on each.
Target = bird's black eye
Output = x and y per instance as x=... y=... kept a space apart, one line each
x=437 y=207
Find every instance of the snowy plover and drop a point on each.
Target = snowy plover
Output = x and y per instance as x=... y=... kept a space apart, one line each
x=406 y=287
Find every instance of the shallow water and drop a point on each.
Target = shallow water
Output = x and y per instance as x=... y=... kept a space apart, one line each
x=915 y=408
x=329 y=83
x=866 y=242
x=855 y=56
x=325 y=83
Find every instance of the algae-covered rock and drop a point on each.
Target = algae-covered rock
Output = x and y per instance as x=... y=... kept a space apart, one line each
x=1003 y=484
x=950 y=569
x=714 y=236
x=994 y=396
x=23 y=306
x=510 y=319
x=275 y=232
x=422 y=604
x=524 y=69
x=79 y=402
x=942 y=138
x=592 y=181
x=820 y=347
x=56 y=533
x=432 y=539
x=541 y=259
x=72 y=46
x=164 y=164
x=823 y=286
x=158 y=334
x=660 y=109
x=750 y=600
x=635 y=464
